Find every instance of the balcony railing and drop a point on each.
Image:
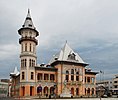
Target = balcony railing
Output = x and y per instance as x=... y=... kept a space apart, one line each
x=74 y=83
x=50 y=81
x=28 y=38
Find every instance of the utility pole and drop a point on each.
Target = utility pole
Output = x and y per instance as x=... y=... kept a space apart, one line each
x=100 y=83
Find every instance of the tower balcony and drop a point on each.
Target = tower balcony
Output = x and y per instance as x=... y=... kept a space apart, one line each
x=28 y=39
x=28 y=54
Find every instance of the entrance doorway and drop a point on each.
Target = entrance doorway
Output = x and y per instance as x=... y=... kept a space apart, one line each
x=46 y=90
x=72 y=91
x=23 y=91
x=31 y=90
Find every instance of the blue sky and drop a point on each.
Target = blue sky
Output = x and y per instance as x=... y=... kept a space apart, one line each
x=89 y=26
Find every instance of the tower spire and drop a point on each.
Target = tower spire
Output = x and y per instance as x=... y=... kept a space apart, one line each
x=28 y=14
x=28 y=24
x=28 y=21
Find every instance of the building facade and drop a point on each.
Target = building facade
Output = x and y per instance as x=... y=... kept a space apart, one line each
x=45 y=79
x=115 y=85
x=104 y=87
x=4 y=89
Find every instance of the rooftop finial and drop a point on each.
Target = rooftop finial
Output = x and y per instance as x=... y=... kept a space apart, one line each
x=28 y=14
x=28 y=11
x=66 y=41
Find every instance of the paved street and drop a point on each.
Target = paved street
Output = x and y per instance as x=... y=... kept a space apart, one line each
x=82 y=99
x=4 y=98
x=60 y=99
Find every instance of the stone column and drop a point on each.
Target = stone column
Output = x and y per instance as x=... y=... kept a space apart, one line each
x=43 y=76
x=48 y=77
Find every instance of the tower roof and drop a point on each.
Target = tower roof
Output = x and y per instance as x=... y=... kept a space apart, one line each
x=28 y=24
x=68 y=55
x=28 y=21
x=15 y=73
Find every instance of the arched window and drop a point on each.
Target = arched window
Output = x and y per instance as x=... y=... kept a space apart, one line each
x=72 y=91
x=39 y=89
x=77 y=73
x=45 y=90
x=67 y=72
x=67 y=75
x=77 y=91
x=88 y=91
x=72 y=71
x=30 y=47
x=51 y=90
x=25 y=46
x=92 y=91
x=71 y=56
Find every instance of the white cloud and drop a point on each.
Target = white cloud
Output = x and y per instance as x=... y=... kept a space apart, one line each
x=90 y=26
x=7 y=51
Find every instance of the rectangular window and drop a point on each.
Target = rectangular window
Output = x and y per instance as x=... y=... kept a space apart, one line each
x=46 y=77
x=26 y=47
x=39 y=76
x=23 y=75
x=52 y=77
x=77 y=78
x=67 y=78
x=72 y=77
x=85 y=79
x=32 y=75
x=34 y=48
x=115 y=86
x=21 y=63
x=93 y=79
x=29 y=62
x=25 y=62
x=88 y=79
x=22 y=48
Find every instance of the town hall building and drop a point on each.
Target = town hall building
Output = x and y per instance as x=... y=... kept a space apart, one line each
x=66 y=68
